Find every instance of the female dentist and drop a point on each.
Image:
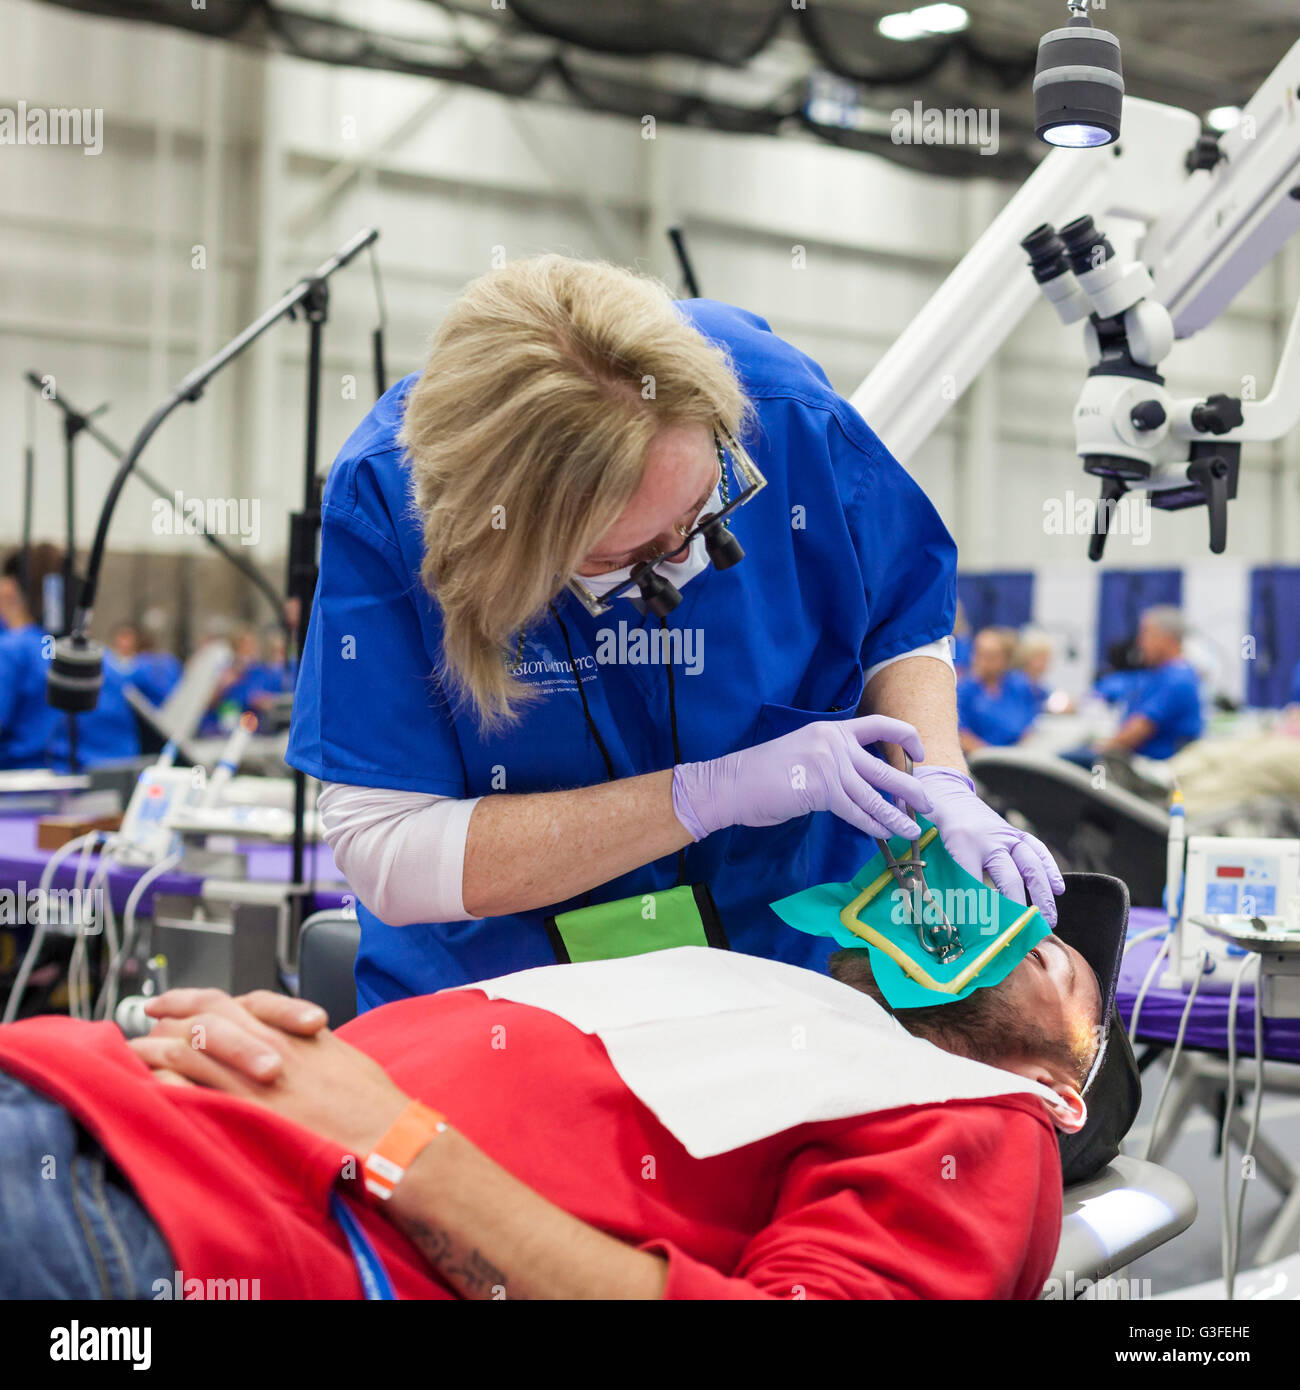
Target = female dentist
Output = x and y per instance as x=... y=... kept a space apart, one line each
x=543 y=688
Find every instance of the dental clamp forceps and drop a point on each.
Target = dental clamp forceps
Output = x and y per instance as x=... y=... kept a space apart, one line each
x=938 y=936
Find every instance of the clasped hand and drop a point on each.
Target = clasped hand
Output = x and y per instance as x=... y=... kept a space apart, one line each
x=278 y=1053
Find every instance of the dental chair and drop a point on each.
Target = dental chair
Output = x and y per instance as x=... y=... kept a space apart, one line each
x=1120 y=1213
x=1113 y=1218
x=327 y=955
x=1089 y=829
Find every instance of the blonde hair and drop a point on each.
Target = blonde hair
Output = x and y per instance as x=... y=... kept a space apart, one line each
x=528 y=431
x=1031 y=642
x=1006 y=636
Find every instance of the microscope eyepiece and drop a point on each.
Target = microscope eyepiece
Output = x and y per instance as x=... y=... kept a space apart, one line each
x=1046 y=252
x=1086 y=247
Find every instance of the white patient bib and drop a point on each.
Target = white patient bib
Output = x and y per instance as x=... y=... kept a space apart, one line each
x=726 y=1049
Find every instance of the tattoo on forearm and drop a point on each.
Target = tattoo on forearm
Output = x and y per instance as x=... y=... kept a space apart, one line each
x=468 y=1270
x=477 y=1274
x=434 y=1245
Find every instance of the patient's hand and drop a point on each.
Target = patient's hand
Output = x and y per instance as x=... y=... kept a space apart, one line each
x=274 y=1051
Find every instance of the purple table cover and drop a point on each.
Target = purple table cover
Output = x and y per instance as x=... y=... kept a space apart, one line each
x=1207 y=1028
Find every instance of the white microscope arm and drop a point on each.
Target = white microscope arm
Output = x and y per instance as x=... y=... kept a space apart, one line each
x=1209 y=232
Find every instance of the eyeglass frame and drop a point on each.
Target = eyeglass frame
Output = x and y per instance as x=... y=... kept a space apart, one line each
x=746 y=471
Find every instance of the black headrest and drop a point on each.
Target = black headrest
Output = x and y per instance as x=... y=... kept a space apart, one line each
x=1092 y=916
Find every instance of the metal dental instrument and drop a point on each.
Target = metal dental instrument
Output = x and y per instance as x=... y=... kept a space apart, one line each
x=937 y=934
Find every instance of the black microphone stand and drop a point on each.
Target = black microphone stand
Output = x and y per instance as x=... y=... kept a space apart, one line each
x=73 y=424
x=72 y=427
x=304 y=534
x=678 y=238
x=29 y=494
x=78 y=655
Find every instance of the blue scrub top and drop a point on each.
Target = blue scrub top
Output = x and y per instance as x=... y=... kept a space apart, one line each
x=1295 y=685
x=847 y=564
x=1170 y=697
x=266 y=679
x=257 y=679
x=26 y=720
x=1114 y=686
x=155 y=675
x=998 y=717
x=1035 y=693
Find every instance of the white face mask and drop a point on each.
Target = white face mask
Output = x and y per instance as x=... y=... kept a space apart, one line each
x=678 y=572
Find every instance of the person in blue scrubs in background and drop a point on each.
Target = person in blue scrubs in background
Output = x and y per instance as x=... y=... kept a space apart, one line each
x=274 y=675
x=153 y=673
x=995 y=705
x=1031 y=660
x=32 y=734
x=1161 y=710
x=26 y=720
x=236 y=686
x=505 y=727
x=258 y=675
x=1160 y=705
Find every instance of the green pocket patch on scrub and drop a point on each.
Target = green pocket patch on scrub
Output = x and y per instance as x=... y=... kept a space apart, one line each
x=995 y=933
x=681 y=916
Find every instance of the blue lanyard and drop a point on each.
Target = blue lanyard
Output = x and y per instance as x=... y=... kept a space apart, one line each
x=374 y=1277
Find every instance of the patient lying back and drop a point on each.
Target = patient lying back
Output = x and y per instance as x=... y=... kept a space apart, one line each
x=686 y=1124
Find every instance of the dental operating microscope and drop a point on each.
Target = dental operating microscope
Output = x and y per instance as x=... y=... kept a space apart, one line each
x=1131 y=432
x=1204 y=214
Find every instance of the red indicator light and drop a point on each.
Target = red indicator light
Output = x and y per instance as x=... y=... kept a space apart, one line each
x=1230 y=871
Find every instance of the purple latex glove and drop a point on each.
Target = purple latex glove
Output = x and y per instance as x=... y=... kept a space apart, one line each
x=981 y=841
x=821 y=767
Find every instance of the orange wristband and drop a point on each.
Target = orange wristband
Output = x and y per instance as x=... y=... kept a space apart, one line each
x=412 y=1131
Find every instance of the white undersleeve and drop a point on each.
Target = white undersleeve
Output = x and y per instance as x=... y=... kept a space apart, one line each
x=941 y=650
x=403 y=853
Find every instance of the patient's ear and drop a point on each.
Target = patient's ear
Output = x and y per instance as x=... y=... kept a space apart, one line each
x=1070 y=1113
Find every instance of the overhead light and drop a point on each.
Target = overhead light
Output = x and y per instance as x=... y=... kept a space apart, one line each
x=1078 y=84
x=1223 y=117
x=927 y=22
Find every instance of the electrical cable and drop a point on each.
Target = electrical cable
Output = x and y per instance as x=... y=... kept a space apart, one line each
x=1143 y=936
x=1249 y=1152
x=1146 y=985
x=1173 y=1056
x=78 y=964
x=42 y=927
x=1227 y=1245
x=108 y=1000
x=107 y=922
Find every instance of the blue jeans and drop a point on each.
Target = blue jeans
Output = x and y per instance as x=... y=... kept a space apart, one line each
x=69 y=1227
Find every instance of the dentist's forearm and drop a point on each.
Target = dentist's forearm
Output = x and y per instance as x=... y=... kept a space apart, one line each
x=922 y=691
x=526 y=852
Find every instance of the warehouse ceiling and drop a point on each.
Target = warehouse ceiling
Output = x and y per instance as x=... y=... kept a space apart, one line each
x=807 y=68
